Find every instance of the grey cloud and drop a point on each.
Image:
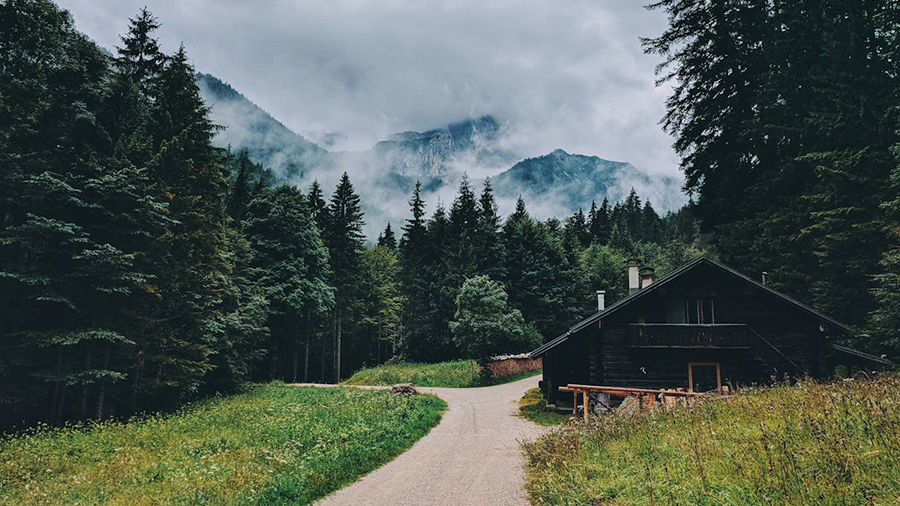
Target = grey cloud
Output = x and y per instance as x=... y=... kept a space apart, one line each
x=567 y=75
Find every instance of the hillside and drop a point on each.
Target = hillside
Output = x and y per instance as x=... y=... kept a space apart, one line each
x=566 y=182
x=267 y=140
x=809 y=444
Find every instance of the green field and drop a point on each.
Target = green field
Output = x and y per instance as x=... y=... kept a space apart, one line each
x=272 y=445
x=813 y=444
x=533 y=407
x=457 y=374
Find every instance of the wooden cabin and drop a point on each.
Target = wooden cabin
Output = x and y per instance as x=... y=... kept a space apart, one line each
x=700 y=327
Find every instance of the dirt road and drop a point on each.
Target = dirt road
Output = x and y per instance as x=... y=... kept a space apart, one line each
x=471 y=458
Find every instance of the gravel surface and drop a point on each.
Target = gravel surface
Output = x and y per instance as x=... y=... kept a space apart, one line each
x=471 y=458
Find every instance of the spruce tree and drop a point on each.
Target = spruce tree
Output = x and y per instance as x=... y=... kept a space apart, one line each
x=538 y=274
x=387 y=239
x=344 y=239
x=488 y=247
x=241 y=192
x=413 y=251
x=291 y=264
x=462 y=236
x=140 y=58
x=577 y=227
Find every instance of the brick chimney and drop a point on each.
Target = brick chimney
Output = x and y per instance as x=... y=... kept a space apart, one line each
x=634 y=275
x=647 y=276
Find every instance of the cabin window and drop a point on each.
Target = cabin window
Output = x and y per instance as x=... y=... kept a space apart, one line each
x=699 y=311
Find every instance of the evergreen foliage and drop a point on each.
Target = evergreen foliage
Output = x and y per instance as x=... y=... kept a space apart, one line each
x=140 y=266
x=784 y=115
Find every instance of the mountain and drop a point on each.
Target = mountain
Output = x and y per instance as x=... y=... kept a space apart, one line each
x=555 y=184
x=268 y=141
x=565 y=182
x=444 y=151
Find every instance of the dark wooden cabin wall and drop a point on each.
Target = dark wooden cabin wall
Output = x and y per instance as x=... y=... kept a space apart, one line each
x=596 y=356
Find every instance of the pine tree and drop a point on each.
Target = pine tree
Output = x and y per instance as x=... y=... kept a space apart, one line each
x=488 y=247
x=70 y=216
x=387 y=239
x=538 y=274
x=291 y=264
x=140 y=58
x=462 y=235
x=786 y=104
x=437 y=343
x=318 y=207
x=344 y=239
x=241 y=192
x=599 y=225
x=413 y=250
x=650 y=230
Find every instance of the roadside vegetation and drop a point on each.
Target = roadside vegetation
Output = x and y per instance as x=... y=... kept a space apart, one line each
x=826 y=444
x=455 y=374
x=271 y=445
x=533 y=407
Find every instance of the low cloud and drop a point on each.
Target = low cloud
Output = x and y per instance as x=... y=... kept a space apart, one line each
x=567 y=75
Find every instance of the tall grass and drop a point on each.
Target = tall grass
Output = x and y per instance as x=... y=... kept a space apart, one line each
x=812 y=444
x=456 y=374
x=273 y=445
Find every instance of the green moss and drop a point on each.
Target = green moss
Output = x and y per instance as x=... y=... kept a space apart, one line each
x=823 y=444
x=272 y=445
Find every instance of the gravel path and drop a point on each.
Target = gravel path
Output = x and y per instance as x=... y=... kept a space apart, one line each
x=471 y=458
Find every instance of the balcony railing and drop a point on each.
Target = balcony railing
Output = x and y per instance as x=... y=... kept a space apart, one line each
x=684 y=335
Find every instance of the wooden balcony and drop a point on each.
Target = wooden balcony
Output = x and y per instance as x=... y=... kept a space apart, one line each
x=685 y=335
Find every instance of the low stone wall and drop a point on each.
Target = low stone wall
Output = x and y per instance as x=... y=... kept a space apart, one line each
x=502 y=367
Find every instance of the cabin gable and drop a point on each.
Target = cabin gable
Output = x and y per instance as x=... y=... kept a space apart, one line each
x=705 y=320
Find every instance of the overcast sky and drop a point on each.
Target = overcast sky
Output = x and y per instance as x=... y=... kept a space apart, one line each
x=564 y=74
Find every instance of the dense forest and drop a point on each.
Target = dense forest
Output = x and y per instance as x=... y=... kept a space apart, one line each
x=141 y=267
x=786 y=116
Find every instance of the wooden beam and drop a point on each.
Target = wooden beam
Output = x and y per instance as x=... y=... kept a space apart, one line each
x=586 y=404
x=623 y=391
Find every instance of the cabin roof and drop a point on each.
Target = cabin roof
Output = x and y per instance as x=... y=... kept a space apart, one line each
x=668 y=278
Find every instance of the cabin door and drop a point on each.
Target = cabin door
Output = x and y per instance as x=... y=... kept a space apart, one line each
x=704 y=377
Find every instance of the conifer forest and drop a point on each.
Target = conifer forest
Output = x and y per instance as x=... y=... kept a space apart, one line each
x=142 y=267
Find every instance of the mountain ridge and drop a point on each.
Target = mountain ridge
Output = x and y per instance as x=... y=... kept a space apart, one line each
x=554 y=184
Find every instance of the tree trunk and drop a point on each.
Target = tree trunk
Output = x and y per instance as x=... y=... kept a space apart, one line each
x=57 y=386
x=306 y=348
x=337 y=345
x=60 y=409
x=322 y=370
x=102 y=392
x=294 y=360
x=85 y=387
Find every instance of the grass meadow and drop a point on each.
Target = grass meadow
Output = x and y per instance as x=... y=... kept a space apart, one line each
x=456 y=374
x=812 y=444
x=272 y=445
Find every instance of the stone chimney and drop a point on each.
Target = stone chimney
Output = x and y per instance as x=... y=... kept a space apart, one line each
x=634 y=276
x=647 y=276
x=601 y=300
